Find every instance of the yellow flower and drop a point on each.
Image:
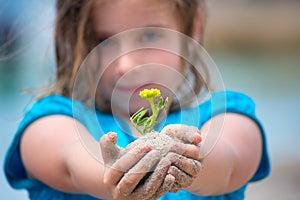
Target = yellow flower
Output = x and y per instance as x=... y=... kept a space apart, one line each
x=144 y=124
x=147 y=94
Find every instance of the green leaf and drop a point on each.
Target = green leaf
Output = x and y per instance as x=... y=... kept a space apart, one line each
x=157 y=103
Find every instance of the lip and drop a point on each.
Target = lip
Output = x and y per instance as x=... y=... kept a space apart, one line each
x=133 y=89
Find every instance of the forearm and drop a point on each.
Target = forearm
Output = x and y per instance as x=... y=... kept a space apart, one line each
x=60 y=160
x=85 y=172
x=215 y=176
x=234 y=159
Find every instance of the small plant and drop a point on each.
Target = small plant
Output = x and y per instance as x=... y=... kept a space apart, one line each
x=145 y=124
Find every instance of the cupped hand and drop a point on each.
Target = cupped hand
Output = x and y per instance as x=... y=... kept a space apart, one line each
x=184 y=133
x=184 y=155
x=127 y=174
x=184 y=169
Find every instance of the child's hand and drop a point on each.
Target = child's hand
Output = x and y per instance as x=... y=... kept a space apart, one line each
x=183 y=133
x=184 y=155
x=183 y=168
x=124 y=171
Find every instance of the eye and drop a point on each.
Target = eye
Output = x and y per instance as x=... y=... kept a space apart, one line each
x=105 y=41
x=150 y=36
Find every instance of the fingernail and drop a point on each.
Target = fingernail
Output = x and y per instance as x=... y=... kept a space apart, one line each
x=197 y=137
x=170 y=177
x=170 y=171
x=112 y=137
x=147 y=148
x=142 y=149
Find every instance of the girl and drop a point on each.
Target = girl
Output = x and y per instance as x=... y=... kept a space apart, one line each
x=53 y=155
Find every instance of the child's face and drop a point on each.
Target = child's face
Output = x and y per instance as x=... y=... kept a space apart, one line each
x=122 y=80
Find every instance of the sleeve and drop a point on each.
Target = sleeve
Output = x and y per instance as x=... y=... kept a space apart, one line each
x=13 y=165
x=235 y=102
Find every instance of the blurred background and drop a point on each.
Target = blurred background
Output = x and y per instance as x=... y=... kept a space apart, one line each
x=255 y=44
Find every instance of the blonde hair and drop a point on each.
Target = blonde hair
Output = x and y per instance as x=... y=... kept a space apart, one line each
x=72 y=31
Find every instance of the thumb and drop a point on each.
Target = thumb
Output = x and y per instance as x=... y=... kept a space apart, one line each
x=109 y=150
x=184 y=133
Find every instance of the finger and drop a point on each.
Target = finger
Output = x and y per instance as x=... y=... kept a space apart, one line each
x=182 y=180
x=155 y=181
x=132 y=178
x=190 y=166
x=109 y=150
x=165 y=187
x=154 y=185
x=123 y=164
x=187 y=150
x=184 y=133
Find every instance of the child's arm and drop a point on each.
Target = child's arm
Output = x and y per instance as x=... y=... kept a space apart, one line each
x=234 y=159
x=52 y=152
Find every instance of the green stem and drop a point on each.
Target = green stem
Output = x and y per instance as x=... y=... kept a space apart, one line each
x=154 y=115
x=148 y=122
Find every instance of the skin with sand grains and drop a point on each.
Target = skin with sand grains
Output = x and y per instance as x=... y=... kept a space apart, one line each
x=165 y=146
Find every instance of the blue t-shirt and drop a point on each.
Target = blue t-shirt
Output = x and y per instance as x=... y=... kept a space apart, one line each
x=100 y=123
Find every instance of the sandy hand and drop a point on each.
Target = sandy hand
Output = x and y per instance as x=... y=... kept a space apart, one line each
x=184 y=155
x=110 y=151
x=184 y=169
x=183 y=133
x=126 y=174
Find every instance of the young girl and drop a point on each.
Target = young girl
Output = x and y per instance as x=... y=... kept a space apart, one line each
x=53 y=155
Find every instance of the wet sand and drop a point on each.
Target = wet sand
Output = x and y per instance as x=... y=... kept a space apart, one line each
x=282 y=184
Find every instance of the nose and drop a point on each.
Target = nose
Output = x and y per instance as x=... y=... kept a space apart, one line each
x=125 y=63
